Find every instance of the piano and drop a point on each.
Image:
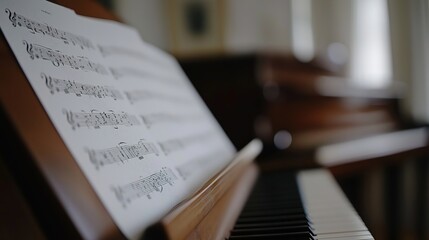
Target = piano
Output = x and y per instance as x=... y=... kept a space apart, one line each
x=241 y=202
x=304 y=204
x=307 y=204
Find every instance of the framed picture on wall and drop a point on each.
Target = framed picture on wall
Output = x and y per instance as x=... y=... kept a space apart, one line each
x=196 y=26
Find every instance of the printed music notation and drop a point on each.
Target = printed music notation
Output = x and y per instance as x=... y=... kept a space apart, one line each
x=173 y=145
x=145 y=186
x=97 y=119
x=121 y=153
x=96 y=96
x=158 y=118
x=68 y=86
x=57 y=58
x=140 y=95
x=36 y=27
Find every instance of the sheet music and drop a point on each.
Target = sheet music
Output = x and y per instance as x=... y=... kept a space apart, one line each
x=126 y=111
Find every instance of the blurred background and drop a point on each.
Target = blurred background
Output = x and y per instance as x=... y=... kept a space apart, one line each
x=342 y=84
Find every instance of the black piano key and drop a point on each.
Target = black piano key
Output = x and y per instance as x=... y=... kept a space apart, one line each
x=291 y=222
x=290 y=236
x=274 y=211
x=273 y=202
x=272 y=230
x=273 y=199
x=282 y=219
x=273 y=205
x=269 y=229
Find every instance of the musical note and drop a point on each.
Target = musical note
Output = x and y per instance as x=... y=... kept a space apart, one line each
x=145 y=186
x=121 y=153
x=97 y=119
x=68 y=86
x=36 y=27
x=173 y=145
x=37 y=51
x=140 y=95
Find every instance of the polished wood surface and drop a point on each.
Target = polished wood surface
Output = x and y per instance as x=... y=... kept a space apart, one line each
x=379 y=150
x=67 y=195
x=214 y=208
x=270 y=93
x=224 y=213
x=13 y=204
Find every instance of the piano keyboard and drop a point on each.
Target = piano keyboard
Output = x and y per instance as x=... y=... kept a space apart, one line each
x=306 y=204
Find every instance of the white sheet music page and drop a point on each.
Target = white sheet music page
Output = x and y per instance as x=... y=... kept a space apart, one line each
x=125 y=110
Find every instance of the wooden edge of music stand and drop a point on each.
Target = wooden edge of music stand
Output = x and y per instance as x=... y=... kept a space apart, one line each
x=212 y=215
x=182 y=220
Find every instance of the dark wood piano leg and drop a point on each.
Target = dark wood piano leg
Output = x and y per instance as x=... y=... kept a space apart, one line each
x=422 y=197
x=392 y=200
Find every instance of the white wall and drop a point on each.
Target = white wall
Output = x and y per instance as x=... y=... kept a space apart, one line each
x=148 y=16
x=410 y=45
x=257 y=25
x=250 y=25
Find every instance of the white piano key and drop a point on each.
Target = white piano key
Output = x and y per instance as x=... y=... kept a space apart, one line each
x=346 y=234
x=331 y=213
x=354 y=238
x=336 y=228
